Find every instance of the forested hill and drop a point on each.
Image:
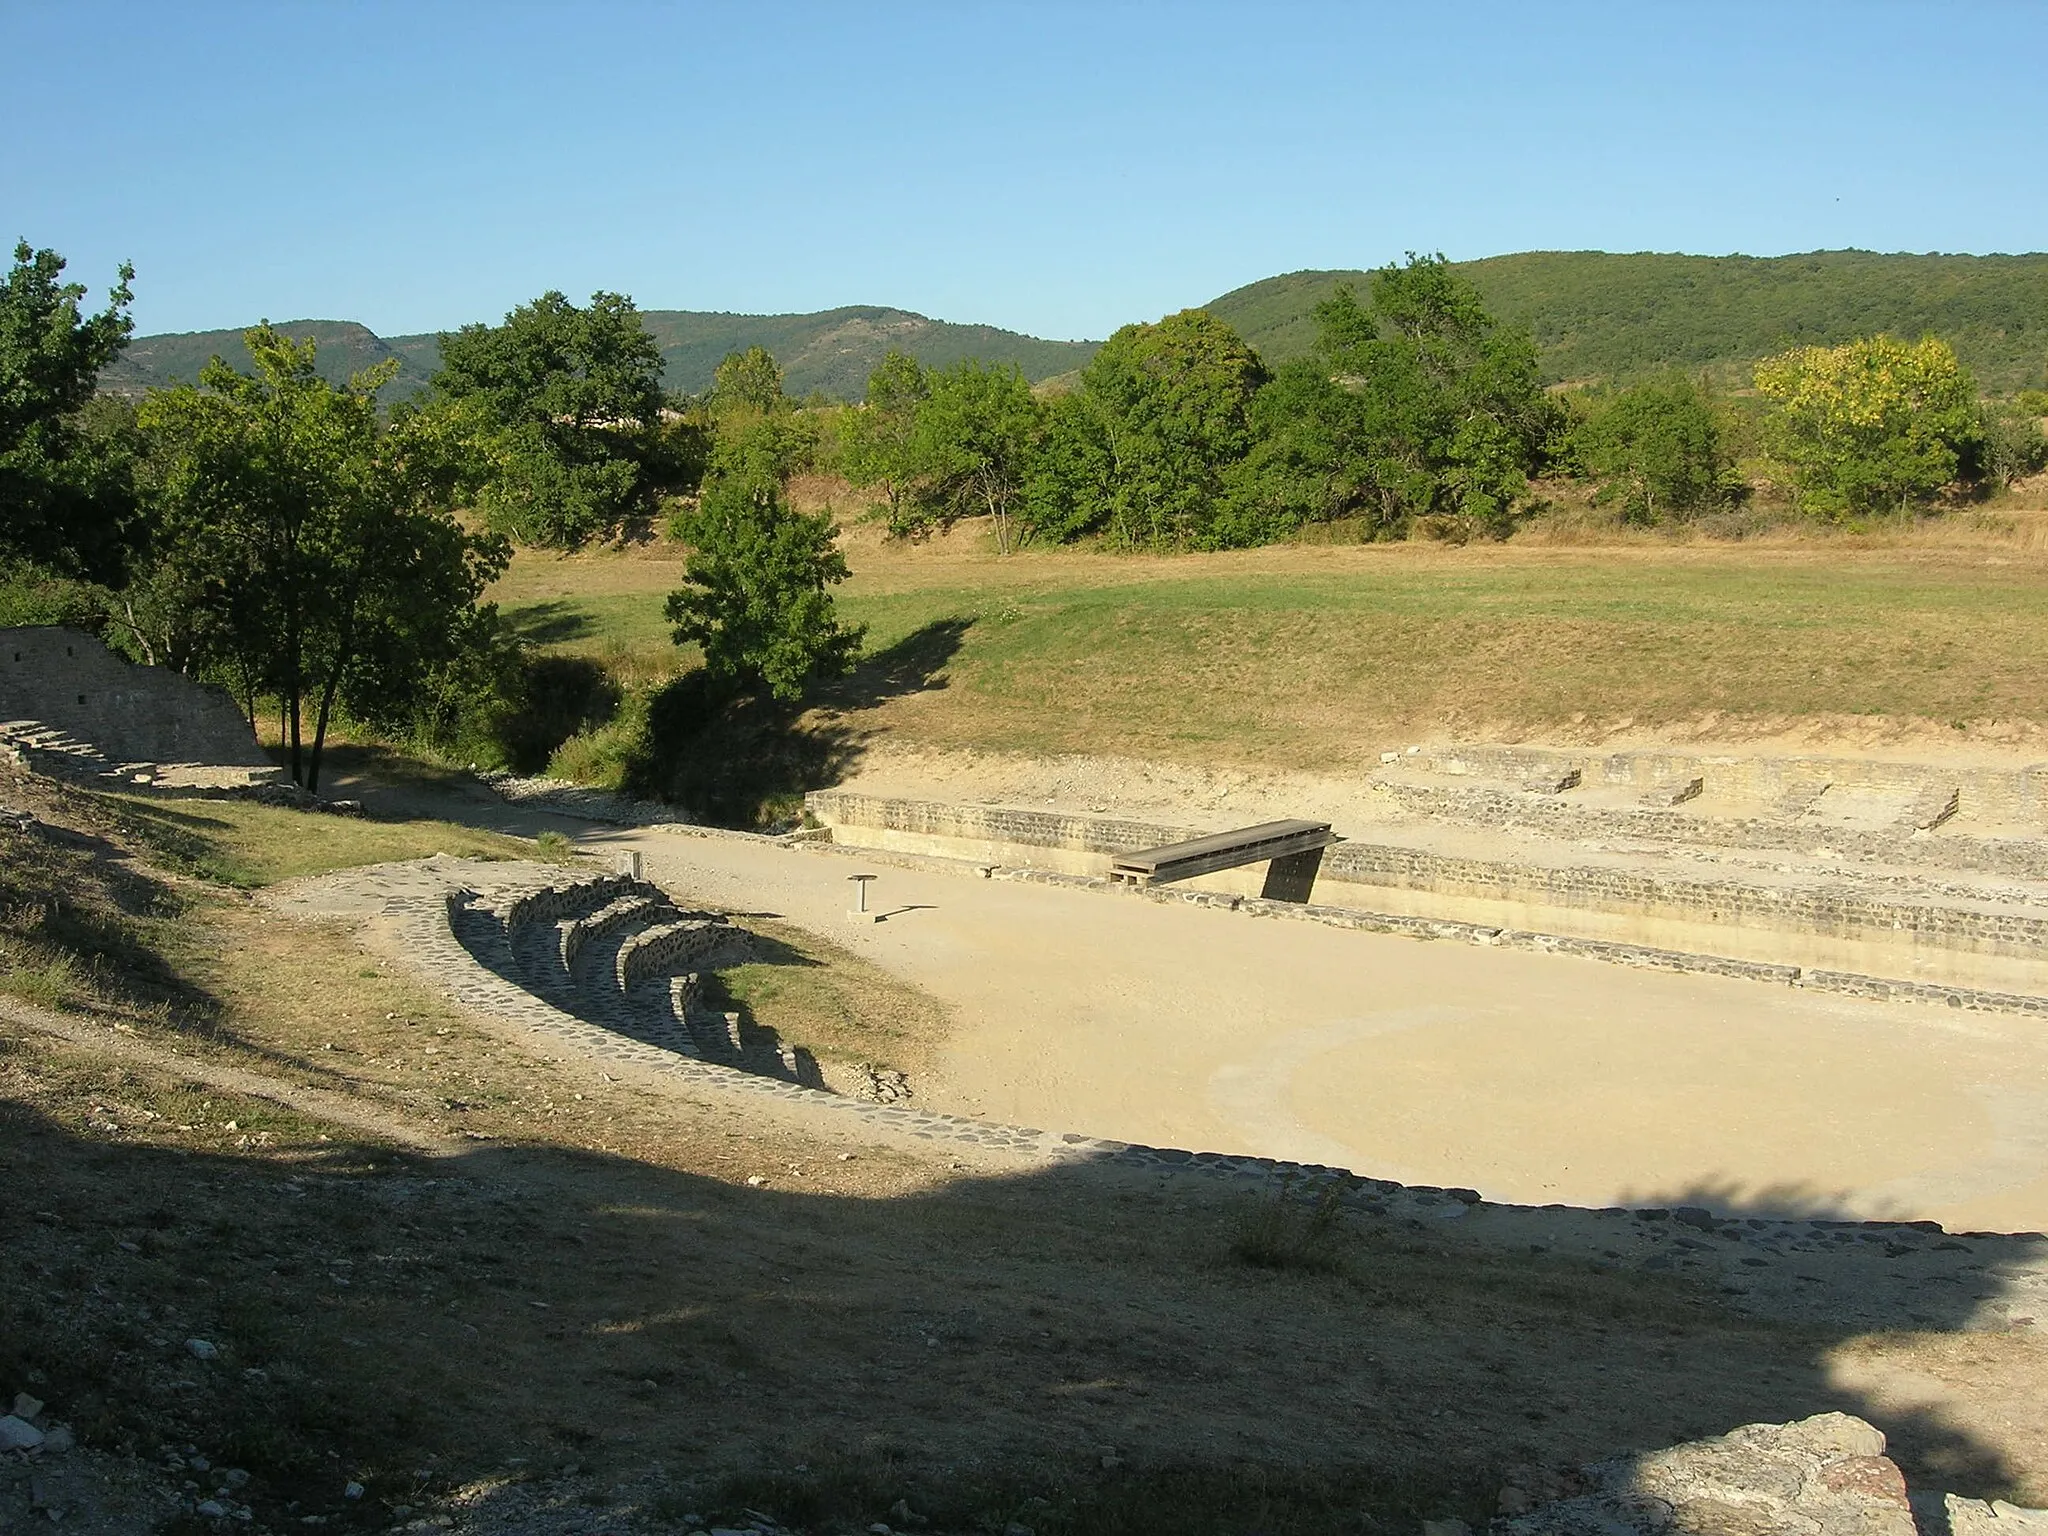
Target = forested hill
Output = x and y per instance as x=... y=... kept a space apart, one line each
x=832 y=352
x=1597 y=315
x=345 y=348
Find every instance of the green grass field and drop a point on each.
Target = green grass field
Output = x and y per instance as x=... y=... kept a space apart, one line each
x=1317 y=657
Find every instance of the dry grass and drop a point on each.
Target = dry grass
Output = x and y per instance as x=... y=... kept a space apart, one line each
x=241 y=843
x=844 y=1010
x=1320 y=657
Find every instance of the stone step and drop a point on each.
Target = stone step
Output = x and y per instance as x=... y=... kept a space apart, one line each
x=573 y=933
x=685 y=941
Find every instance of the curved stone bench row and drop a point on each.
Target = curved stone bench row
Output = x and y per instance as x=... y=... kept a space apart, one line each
x=572 y=933
x=698 y=942
x=618 y=953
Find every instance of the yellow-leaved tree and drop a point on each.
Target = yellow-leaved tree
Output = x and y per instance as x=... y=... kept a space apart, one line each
x=1871 y=425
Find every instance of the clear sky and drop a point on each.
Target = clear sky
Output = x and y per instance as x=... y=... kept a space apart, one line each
x=1056 y=168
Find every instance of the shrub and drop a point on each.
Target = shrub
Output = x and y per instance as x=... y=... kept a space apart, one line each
x=1655 y=450
x=1293 y=1230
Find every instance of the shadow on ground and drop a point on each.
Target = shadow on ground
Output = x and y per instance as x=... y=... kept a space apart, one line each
x=551 y=621
x=748 y=762
x=1079 y=1350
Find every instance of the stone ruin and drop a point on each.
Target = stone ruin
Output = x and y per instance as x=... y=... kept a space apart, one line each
x=1823 y=1476
x=616 y=952
x=71 y=708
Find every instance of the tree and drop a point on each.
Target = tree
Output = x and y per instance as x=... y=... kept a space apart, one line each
x=1143 y=448
x=567 y=408
x=877 y=447
x=756 y=599
x=748 y=381
x=1448 y=412
x=1870 y=425
x=971 y=448
x=2013 y=444
x=66 y=499
x=1312 y=460
x=304 y=551
x=1656 y=449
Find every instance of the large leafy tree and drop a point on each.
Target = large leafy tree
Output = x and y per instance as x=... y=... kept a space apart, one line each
x=755 y=597
x=1416 y=404
x=972 y=447
x=1142 y=450
x=877 y=442
x=66 y=500
x=748 y=382
x=567 y=407
x=305 y=550
x=1871 y=425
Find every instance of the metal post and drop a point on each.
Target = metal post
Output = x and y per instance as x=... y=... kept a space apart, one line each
x=860 y=912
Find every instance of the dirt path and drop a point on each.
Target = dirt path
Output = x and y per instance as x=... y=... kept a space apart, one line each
x=1532 y=1078
x=339 y=1109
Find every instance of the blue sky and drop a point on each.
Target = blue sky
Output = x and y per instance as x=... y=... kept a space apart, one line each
x=1056 y=168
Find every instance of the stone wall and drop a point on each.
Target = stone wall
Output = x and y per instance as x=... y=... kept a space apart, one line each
x=1795 y=924
x=1824 y=1476
x=65 y=687
x=2015 y=796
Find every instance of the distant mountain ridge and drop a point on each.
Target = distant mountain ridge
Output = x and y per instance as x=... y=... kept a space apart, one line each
x=1623 y=317
x=831 y=352
x=1594 y=315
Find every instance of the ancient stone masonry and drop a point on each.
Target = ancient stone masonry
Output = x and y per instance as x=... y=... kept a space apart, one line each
x=69 y=705
x=1790 y=829
x=488 y=935
x=1869 y=931
x=1808 y=909
x=1823 y=1476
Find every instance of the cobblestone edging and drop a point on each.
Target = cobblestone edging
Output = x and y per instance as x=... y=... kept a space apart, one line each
x=1869 y=1273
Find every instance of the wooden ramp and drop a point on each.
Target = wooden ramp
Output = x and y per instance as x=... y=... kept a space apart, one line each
x=1295 y=849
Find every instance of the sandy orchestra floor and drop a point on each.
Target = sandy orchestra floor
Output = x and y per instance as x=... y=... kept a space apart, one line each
x=1529 y=1077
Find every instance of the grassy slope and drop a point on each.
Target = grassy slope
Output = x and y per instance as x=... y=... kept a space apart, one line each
x=1321 y=657
x=835 y=351
x=1597 y=315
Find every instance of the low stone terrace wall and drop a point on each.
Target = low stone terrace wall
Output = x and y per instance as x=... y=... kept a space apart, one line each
x=1800 y=925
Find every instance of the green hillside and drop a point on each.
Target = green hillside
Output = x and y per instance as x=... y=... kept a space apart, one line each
x=832 y=352
x=345 y=348
x=1597 y=315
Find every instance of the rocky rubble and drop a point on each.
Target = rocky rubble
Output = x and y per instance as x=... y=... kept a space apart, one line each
x=46 y=1479
x=1823 y=1476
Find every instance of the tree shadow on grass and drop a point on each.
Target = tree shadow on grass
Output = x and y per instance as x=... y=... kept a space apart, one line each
x=555 y=621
